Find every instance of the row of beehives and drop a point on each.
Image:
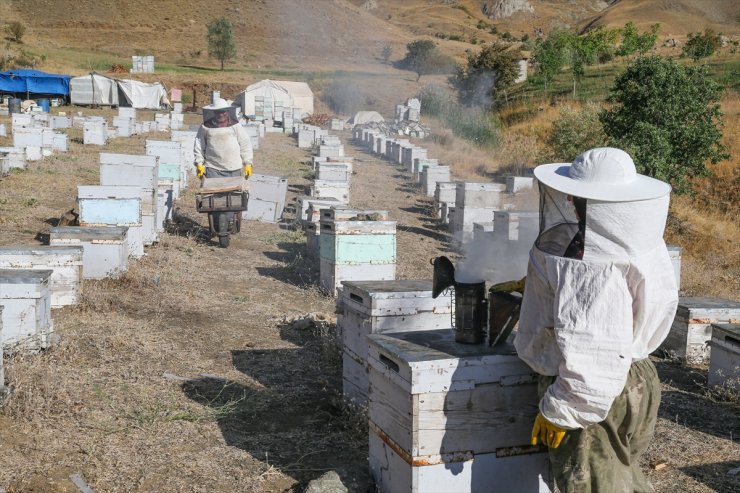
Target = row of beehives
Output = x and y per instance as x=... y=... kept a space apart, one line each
x=96 y=131
x=349 y=244
x=34 y=137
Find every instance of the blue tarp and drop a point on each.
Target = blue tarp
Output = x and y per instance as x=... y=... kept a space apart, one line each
x=34 y=81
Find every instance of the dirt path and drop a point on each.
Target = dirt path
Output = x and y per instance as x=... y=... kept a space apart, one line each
x=183 y=377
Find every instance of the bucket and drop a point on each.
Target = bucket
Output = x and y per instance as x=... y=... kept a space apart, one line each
x=45 y=104
x=14 y=105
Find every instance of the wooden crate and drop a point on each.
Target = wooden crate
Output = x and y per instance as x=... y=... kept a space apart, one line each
x=104 y=249
x=26 y=317
x=691 y=330
x=65 y=262
x=113 y=206
x=435 y=402
x=724 y=359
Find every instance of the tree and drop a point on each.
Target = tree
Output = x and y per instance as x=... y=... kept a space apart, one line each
x=15 y=30
x=423 y=57
x=587 y=49
x=667 y=116
x=221 y=44
x=386 y=53
x=487 y=73
x=549 y=56
x=701 y=45
x=633 y=41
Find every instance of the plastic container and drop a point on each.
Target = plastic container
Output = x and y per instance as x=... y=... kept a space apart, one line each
x=45 y=104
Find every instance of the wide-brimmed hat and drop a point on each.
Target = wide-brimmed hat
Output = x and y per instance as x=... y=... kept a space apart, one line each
x=604 y=173
x=218 y=104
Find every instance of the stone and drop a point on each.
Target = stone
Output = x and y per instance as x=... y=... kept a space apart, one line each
x=329 y=482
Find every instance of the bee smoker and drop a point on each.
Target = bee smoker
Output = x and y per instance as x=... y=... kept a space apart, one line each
x=468 y=302
x=472 y=311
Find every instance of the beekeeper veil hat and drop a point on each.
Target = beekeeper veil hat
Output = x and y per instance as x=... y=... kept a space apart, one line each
x=604 y=173
x=219 y=105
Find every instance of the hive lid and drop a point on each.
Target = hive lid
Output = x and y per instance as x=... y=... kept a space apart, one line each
x=23 y=276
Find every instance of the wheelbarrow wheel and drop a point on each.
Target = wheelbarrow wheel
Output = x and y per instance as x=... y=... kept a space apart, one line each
x=223 y=230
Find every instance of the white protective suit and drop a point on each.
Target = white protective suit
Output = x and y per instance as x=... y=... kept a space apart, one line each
x=222 y=148
x=585 y=321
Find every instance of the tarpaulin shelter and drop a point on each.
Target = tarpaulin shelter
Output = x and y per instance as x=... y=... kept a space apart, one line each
x=96 y=89
x=362 y=117
x=93 y=90
x=268 y=90
x=301 y=93
x=26 y=82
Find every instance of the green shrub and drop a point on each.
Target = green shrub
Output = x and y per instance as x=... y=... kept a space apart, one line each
x=15 y=30
x=575 y=132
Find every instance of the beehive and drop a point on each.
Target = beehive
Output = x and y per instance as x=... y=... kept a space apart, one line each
x=724 y=359
x=95 y=132
x=113 y=206
x=444 y=194
x=323 y=189
x=356 y=250
x=65 y=262
x=376 y=307
x=104 y=249
x=266 y=198
x=451 y=417
x=26 y=317
x=334 y=172
x=431 y=175
x=475 y=202
x=691 y=330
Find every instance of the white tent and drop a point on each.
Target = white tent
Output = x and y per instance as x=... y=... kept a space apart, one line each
x=267 y=89
x=366 y=117
x=142 y=95
x=93 y=89
x=301 y=93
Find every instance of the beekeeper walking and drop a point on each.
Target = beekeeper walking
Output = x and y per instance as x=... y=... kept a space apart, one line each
x=600 y=297
x=222 y=146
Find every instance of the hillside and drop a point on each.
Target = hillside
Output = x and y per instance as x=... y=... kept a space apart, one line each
x=81 y=35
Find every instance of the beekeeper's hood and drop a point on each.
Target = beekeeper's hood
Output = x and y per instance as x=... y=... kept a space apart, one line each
x=219 y=106
x=600 y=276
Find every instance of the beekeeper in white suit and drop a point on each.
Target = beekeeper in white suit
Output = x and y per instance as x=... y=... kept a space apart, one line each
x=222 y=146
x=600 y=297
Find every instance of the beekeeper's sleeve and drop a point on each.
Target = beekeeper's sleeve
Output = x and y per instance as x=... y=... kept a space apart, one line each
x=199 y=147
x=245 y=144
x=593 y=326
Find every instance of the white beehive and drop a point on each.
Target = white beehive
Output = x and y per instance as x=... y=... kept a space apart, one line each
x=331 y=150
x=692 y=328
x=356 y=250
x=483 y=232
x=113 y=206
x=451 y=417
x=420 y=164
x=26 y=317
x=104 y=249
x=95 y=132
x=334 y=172
x=444 y=194
x=171 y=162
x=475 y=202
x=12 y=157
x=28 y=137
x=139 y=171
x=410 y=154
x=323 y=189
x=376 y=307
x=65 y=262
x=724 y=360
x=431 y=175
x=520 y=226
x=304 y=202
x=266 y=198
x=515 y=184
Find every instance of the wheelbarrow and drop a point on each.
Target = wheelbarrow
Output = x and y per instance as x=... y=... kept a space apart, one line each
x=224 y=200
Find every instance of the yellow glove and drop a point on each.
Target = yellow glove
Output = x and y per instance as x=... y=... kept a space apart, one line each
x=247 y=170
x=548 y=433
x=200 y=170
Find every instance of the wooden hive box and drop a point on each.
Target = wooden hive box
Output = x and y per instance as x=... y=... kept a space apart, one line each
x=95 y=133
x=691 y=330
x=724 y=359
x=26 y=317
x=113 y=206
x=356 y=250
x=266 y=198
x=376 y=307
x=105 y=249
x=431 y=175
x=451 y=417
x=65 y=262
x=516 y=226
x=140 y=171
x=334 y=172
x=322 y=189
x=304 y=203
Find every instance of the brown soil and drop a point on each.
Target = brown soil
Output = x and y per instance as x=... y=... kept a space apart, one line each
x=183 y=375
